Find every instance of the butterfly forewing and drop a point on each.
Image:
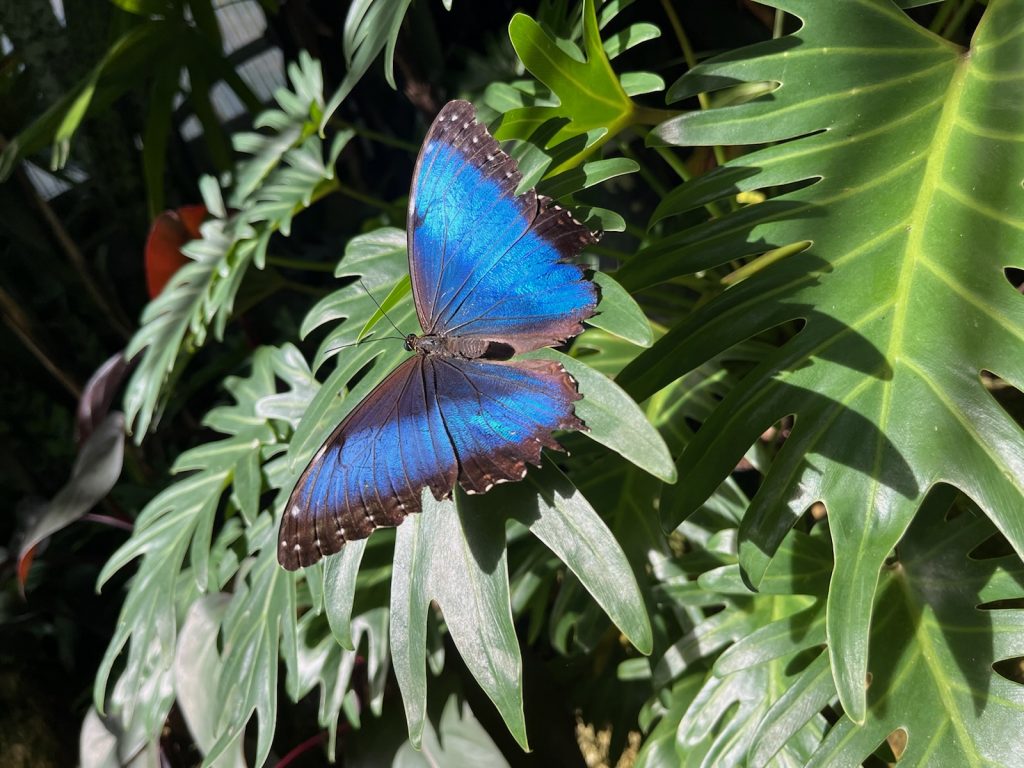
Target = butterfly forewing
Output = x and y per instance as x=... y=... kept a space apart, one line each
x=484 y=261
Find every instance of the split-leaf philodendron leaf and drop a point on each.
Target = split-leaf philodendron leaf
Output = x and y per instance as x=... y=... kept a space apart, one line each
x=905 y=151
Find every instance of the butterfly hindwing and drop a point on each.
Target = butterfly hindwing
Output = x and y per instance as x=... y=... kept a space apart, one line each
x=499 y=414
x=370 y=471
x=486 y=262
x=432 y=420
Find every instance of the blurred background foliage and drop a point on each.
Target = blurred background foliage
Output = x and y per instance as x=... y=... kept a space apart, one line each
x=292 y=128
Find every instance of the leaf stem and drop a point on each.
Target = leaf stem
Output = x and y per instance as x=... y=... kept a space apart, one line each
x=308 y=290
x=691 y=62
x=778 y=27
x=113 y=522
x=367 y=199
x=644 y=171
x=372 y=135
x=942 y=15
x=112 y=312
x=301 y=749
x=302 y=264
x=15 y=319
x=958 y=19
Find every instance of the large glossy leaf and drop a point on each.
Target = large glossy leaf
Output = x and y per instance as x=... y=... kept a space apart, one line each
x=934 y=642
x=933 y=646
x=907 y=158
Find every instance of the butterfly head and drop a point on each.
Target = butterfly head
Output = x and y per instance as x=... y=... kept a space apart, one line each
x=410 y=342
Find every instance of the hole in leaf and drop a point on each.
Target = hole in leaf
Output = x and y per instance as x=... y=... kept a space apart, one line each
x=1008 y=396
x=1011 y=669
x=361 y=374
x=761 y=454
x=800 y=661
x=793 y=186
x=1015 y=277
x=897 y=741
x=1004 y=604
x=994 y=546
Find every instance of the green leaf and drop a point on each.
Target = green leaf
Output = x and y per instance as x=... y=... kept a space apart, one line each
x=618 y=313
x=289 y=126
x=933 y=643
x=614 y=420
x=340 y=589
x=590 y=96
x=402 y=288
x=585 y=176
x=107 y=80
x=252 y=630
x=563 y=519
x=459 y=742
x=291 y=367
x=915 y=153
x=197 y=670
x=963 y=631
x=633 y=35
x=202 y=293
x=455 y=556
x=660 y=749
x=179 y=520
x=323 y=663
x=378 y=259
x=370 y=27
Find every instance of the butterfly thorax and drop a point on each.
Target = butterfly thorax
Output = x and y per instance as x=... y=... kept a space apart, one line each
x=465 y=347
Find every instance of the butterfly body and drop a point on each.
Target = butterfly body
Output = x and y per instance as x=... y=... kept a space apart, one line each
x=491 y=279
x=467 y=348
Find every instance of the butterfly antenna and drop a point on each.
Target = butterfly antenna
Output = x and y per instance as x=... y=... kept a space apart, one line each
x=367 y=341
x=397 y=329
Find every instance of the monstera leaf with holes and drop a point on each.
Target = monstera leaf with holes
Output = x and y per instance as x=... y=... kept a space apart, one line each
x=899 y=157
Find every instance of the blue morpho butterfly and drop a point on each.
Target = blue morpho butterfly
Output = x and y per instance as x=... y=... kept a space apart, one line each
x=490 y=279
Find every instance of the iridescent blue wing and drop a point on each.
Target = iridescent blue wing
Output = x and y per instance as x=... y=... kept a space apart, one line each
x=370 y=471
x=484 y=261
x=499 y=414
x=432 y=421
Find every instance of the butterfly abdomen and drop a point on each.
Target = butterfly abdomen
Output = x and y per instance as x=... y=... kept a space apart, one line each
x=464 y=347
